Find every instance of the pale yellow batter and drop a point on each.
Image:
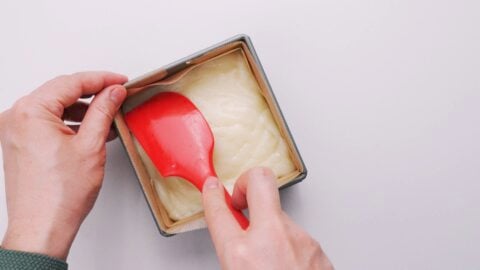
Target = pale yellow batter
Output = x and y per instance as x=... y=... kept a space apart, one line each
x=246 y=135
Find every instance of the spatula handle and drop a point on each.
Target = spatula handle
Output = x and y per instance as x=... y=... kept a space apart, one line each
x=239 y=216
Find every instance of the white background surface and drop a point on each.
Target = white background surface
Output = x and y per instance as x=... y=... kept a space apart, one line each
x=383 y=98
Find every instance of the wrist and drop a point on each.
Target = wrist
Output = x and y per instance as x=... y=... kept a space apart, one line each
x=49 y=239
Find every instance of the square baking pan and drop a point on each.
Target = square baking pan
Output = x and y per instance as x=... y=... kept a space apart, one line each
x=142 y=83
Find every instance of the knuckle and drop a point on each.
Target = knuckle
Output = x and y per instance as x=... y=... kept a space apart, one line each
x=94 y=148
x=61 y=78
x=215 y=210
x=317 y=257
x=104 y=110
x=276 y=228
x=308 y=241
x=277 y=223
x=78 y=77
x=57 y=81
x=88 y=80
x=238 y=250
x=24 y=108
x=95 y=184
x=61 y=81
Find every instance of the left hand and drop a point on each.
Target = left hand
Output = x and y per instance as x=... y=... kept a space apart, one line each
x=53 y=173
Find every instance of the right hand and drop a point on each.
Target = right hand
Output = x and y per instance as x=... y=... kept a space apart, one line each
x=273 y=240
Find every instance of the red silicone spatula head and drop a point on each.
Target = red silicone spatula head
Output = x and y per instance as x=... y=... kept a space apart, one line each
x=175 y=135
x=178 y=140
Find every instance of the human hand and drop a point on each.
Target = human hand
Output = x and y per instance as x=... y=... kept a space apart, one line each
x=53 y=173
x=273 y=240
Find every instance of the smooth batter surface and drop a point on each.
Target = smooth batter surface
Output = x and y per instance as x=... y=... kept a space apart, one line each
x=246 y=135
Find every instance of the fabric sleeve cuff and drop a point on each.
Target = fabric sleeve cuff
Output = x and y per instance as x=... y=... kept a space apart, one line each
x=20 y=260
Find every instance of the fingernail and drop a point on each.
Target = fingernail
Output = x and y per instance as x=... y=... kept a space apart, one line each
x=117 y=94
x=211 y=183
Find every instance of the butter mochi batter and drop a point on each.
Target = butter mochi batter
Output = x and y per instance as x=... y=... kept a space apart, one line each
x=246 y=135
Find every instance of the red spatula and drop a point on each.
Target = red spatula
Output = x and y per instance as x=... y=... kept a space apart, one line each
x=178 y=139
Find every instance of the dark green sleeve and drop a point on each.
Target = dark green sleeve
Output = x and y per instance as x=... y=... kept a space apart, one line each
x=19 y=260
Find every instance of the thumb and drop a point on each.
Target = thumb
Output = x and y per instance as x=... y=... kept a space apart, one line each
x=221 y=223
x=98 y=119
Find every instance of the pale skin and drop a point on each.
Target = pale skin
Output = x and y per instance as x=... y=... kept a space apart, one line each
x=53 y=174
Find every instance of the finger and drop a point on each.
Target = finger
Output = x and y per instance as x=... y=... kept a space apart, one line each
x=76 y=112
x=257 y=189
x=221 y=223
x=65 y=90
x=98 y=119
